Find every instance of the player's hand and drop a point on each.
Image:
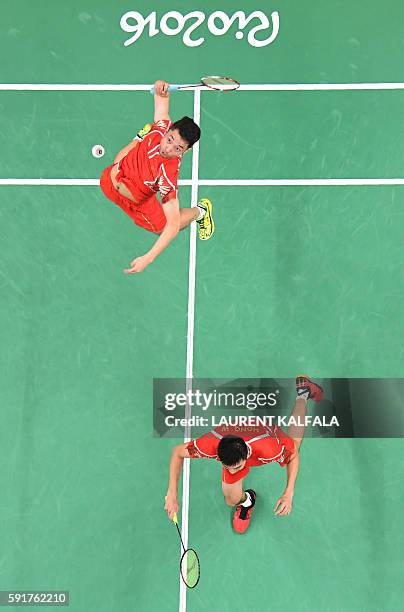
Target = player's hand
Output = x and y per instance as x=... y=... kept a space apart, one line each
x=161 y=88
x=138 y=265
x=171 y=505
x=284 y=505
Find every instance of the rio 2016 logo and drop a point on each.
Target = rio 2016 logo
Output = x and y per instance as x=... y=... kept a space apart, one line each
x=218 y=23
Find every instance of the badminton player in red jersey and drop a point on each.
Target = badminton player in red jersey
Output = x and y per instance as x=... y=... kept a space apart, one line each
x=148 y=167
x=240 y=448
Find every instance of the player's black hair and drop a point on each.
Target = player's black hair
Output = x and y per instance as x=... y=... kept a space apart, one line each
x=232 y=450
x=188 y=130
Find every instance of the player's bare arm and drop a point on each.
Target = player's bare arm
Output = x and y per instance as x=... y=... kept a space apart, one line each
x=284 y=504
x=161 y=106
x=161 y=100
x=171 y=229
x=178 y=455
x=125 y=151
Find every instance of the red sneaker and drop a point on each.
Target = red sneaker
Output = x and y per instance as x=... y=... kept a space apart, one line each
x=304 y=384
x=242 y=515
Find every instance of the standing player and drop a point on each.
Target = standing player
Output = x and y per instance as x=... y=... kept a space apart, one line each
x=148 y=166
x=245 y=448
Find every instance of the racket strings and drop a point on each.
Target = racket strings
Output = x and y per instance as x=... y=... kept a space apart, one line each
x=221 y=83
x=190 y=570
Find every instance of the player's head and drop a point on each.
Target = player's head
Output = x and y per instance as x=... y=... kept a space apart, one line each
x=232 y=452
x=181 y=136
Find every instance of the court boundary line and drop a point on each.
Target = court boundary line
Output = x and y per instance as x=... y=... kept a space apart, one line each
x=315 y=182
x=195 y=182
x=243 y=87
x=190 y=343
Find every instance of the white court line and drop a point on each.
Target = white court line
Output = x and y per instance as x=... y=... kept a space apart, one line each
x=64 y=181
x=301 y=182
x=71 y=87
x=246 y=87
x=319 y=86
x=222 y=182
x=190 y=342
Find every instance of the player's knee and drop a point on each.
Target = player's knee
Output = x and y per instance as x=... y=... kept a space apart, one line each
x=231 y=500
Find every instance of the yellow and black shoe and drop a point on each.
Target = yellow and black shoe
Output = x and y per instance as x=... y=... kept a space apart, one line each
x=143 y=132
x=206 y=225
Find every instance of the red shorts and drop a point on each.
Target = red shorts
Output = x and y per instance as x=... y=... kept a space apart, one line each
x=149 y=214
x=229 y=478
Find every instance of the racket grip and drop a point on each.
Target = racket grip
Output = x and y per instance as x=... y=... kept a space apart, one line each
x=171 y=88
x=175 y=519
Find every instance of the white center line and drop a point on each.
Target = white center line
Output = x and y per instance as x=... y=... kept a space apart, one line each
x=190 y=341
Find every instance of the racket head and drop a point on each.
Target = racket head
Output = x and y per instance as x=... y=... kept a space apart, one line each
x=190 y=568
x=220 y=83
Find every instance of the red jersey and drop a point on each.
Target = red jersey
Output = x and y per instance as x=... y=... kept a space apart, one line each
x=145 y=173
x=264 y=444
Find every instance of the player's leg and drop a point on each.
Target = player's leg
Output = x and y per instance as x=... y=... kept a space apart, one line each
x=234 y=494
x=305 y=389
x=244 y=501
x=187 y=215
x=202 y=213
x=150 y=215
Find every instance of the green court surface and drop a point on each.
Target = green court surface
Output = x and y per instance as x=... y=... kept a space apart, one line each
x=296 y=278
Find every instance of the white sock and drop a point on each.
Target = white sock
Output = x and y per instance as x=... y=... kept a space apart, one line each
x=248 y=501
x=202 y=212
x=303 y=395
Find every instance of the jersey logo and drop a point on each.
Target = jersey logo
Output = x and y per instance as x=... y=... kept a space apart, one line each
x=151 y=184
x=164 y=190
x=158 y=185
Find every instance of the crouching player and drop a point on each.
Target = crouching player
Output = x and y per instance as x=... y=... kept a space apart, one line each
x=149 y=166
x=239 y=450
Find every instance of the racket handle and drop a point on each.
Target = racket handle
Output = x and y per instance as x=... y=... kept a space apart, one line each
x=175 y=519
x=171 y=88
